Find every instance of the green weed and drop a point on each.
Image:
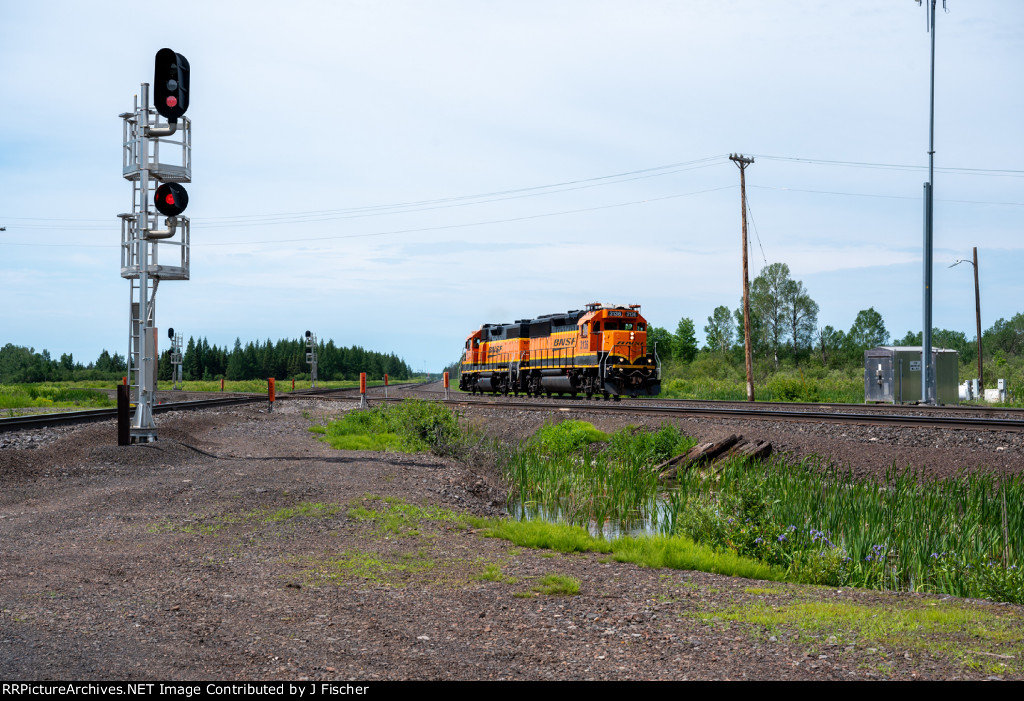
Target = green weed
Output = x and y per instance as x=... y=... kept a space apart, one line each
x=558 y=585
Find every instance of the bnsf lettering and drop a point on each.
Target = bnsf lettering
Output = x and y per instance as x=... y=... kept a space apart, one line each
x=559 y=342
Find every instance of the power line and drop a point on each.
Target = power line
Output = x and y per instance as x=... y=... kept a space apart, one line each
x=408 y=231
x=999 y=172
x=889 y=197
x=407 y=207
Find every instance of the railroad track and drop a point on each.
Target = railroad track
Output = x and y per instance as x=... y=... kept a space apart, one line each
x=32 y=421
x=871 y=415
x=18 y=423
x=774 y=413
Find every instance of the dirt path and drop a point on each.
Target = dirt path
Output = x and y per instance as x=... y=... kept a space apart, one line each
x=239 y=547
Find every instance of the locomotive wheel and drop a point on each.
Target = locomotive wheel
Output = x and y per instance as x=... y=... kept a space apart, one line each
x=618 y=398
x=590 y=395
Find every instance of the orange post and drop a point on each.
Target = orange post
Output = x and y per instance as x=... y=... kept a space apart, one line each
x=270 y=393
x=222 y=385
x=124 y=380
x=446 y=385
x=385 y=379
x=362 y=383
x=293 y=384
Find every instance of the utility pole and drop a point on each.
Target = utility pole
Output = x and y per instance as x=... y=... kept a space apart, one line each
x=977 y=315
x=742 y=162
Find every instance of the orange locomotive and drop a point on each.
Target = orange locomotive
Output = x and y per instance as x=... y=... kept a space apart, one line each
x=600 y=350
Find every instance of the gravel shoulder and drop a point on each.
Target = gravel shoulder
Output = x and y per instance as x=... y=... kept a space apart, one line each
x=240 y=547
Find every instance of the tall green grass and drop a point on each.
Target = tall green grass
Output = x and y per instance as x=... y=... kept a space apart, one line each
x=572 y=472
x=42 y=395
x=961 y=536
x=779 y=388
x=409 y=426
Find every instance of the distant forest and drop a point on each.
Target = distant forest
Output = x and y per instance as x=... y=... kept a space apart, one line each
x=285 y=359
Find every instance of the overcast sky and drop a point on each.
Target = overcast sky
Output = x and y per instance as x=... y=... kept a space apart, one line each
x=395 y=174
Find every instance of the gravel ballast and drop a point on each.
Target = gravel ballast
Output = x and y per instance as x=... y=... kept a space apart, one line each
x=237 y=547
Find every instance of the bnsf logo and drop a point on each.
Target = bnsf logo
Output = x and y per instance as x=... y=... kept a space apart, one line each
x=559 y=342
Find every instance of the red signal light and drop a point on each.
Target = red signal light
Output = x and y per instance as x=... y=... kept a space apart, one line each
x=171 y=84
x=171 y=199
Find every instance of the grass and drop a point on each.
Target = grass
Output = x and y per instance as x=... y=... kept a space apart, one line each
x=410 y=426
x=560 y=473
x=395 y=572
x=780 y=387
x=395 y=517
x=977 y=639
x=51 y=395
x=675 y=552
x=802 y=523
x=557 y=585
x=493 y=573
x=959 y=536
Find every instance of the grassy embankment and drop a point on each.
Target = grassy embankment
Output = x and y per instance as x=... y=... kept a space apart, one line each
x=786 y=522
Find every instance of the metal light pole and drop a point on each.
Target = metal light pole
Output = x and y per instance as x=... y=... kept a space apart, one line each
x=928 y=393
x=977 y=314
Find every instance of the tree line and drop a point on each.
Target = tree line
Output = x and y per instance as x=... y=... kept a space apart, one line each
x=202 y=361
x=784 y=327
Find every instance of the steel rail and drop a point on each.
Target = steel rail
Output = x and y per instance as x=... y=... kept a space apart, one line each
x=770 y=413
x=19 y=423
x=744 y=411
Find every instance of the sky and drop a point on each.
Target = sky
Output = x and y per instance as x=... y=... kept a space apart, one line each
x=393 y=174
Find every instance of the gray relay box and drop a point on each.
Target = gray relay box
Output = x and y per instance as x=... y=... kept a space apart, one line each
x=892 y=374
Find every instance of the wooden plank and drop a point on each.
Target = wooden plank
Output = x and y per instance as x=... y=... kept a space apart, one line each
x=705 y=452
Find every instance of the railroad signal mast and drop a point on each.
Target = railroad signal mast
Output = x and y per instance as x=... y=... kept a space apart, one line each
x=311 y=356
x=175 y=357
x=157 y=158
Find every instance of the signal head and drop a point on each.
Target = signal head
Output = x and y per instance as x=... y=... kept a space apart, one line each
x=170 y=334
x=171 y=199
x=308 y=334
x=170 y=84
